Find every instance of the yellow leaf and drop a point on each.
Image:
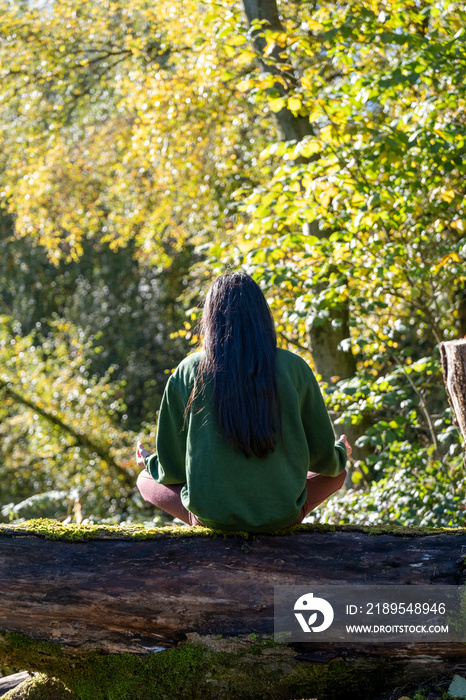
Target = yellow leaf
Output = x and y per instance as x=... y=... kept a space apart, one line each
x=277 y=104
x=294 y=104
x=448 y=195
x=269 y=82
x=314 y=26
x=237 y=40
x=459 y=225
x=326 y=133
x=246 y=246
x=308 y=148
x=454 y=257
x=245 y=85
x=245 y=56
x=357 y=199
x=325 y=199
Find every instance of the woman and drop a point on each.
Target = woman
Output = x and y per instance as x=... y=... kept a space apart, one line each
x=244 y=441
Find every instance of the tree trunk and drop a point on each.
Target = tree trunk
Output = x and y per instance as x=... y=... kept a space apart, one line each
x=206 y=603
x=453 y=356
x=134 y=595
x=334 y=363
x=289 y=127
x=331 y=361
x=325 y=335
x=460 y=298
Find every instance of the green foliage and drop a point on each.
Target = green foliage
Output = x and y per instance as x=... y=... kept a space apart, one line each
x=366 y=212
x=126 y=125
x=125 y=305
x=381 y=175
x=57 y=431
x=435 y=693
x=139 y=159
x=413 y=492
x=407 y=407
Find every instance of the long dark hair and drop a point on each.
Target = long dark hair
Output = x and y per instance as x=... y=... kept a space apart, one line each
x=239 y=364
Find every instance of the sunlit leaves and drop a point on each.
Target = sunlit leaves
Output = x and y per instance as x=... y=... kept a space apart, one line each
x=125 y=124
x=57 y=427
x=122 y=121
x=385 y=161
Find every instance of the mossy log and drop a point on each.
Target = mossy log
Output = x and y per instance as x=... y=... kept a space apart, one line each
x=207 y=599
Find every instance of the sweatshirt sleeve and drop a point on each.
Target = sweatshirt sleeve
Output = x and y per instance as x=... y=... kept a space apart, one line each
x=327 y=457
x=167 y=465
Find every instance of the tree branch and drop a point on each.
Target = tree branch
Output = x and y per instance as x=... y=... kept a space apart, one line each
x=81 y=439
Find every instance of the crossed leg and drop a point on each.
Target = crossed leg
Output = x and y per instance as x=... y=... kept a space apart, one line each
x=319 y=488
x=168 y=498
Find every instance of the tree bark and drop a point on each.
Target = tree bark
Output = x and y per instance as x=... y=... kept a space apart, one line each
x=334 y=363
x=331 y=361
x=289 y=126
x=460 y=297
x=136 y=596
x=453 y=356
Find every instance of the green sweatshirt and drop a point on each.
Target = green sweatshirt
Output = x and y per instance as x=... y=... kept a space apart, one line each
x=226 y=490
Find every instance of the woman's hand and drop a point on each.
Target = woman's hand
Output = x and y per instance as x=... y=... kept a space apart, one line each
x=349 y=449
x=141 y=452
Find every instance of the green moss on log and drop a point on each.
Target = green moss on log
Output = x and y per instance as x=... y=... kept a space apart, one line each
x=55 y=530
x=206 y=668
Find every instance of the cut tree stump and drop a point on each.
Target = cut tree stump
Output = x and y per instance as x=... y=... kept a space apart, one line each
x=114 y=592
x=453 y=356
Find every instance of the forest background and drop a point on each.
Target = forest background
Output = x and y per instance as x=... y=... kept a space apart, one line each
x=147 y=147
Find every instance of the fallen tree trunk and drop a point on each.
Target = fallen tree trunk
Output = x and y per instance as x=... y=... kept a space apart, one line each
x=133 y=594
x=138 y=595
